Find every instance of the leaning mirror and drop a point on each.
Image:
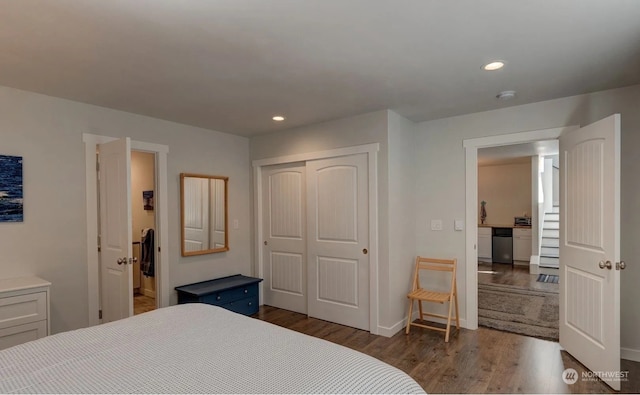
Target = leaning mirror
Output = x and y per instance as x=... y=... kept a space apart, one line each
x=203 y=214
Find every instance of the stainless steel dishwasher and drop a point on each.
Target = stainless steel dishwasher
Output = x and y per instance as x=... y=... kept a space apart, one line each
x=502 y=245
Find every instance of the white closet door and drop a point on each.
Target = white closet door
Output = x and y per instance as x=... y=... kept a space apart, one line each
x=285 y=272
x=338 y=238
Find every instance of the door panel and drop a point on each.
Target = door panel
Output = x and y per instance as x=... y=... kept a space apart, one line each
x=338 y=238
x=285 y=272
x=219 y=221
x=590 y=234
x=115 y=229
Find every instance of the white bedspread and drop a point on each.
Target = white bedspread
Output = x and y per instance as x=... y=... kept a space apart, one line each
x=193 y=348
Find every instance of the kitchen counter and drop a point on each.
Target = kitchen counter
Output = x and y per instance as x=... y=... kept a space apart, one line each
x=504 y=226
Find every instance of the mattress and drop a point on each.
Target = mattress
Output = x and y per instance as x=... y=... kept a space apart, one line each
x=193 y=348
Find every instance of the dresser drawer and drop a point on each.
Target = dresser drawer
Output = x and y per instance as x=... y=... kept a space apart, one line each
x=229 y=295
x=23 y=309
x=237 y=293
x=246 y=306
x=19 y=334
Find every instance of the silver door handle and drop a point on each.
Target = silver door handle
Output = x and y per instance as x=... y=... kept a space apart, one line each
x=133 y=260
x=606 y=264
x=620 y=265
x=122 y=260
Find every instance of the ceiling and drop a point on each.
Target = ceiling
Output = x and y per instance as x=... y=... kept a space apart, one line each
x=230 y=65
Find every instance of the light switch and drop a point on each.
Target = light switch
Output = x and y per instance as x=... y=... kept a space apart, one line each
x=458 y=224
x=436 y=224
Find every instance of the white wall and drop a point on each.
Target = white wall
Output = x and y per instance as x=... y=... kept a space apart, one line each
x=402 y=206
x=441 y=180
x=51 y=242
x=507 y=190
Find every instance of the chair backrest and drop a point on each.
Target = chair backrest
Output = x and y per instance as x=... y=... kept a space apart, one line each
x=436 y=264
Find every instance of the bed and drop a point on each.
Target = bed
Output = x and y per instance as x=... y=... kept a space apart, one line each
x=193 y=348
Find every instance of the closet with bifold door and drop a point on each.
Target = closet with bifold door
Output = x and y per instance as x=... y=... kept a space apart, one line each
x=315 y=217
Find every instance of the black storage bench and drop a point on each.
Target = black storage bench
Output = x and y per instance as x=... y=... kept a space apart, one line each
x=236 y=293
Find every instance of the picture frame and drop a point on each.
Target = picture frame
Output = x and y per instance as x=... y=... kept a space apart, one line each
x=11 y=193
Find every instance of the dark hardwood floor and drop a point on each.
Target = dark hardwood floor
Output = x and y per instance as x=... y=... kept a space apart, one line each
x=515 y=275
x=142 y=304
x=481 y=361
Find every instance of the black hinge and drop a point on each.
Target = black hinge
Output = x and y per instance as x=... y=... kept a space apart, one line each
x=159 y=250
x=99 y=314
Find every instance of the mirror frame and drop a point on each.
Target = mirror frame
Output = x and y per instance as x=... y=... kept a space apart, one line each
x=226 y=215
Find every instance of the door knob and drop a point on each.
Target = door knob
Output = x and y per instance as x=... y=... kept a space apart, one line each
x=365 y=251
x=133 y=260
x=604 y=264
x=620 y=265
x=122 y=260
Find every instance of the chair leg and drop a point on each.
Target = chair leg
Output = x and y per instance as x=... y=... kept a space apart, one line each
x=446 y=336
x=421 y=311
x=457 y=313
x=409 y=317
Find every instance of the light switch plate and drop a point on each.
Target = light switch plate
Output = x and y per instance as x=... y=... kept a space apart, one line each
x=458 y=224
x=436 y=224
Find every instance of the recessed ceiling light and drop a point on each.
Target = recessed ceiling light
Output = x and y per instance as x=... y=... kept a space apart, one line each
x=495 y=65
x=278 y=118
x=506 y=95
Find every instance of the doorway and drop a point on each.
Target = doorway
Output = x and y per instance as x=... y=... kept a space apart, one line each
x=471 y=210
x=589 y=238
x=512 y=293
x=143 y=225
x=162 y=291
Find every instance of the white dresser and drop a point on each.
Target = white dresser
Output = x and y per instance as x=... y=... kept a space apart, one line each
x=24 y=310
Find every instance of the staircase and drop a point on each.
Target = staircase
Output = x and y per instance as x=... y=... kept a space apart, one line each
x=550 y=246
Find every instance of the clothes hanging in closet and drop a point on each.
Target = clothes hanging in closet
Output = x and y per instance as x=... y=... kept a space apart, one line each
x=147 y=255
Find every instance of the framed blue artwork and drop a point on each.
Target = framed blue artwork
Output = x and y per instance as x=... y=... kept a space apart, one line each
x=11 y=189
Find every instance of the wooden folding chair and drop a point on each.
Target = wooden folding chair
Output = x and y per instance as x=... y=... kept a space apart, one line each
x=420 y=294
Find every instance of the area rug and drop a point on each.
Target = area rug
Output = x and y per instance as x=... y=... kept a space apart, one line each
x=525 y=311
x=548 y=278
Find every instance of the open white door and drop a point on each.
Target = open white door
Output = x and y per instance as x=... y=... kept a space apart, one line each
x=338 y=240
x=115 y=230
x=590 y=246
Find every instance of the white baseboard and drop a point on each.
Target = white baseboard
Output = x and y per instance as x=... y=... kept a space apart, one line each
x=392 y=330
x=630 y=354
